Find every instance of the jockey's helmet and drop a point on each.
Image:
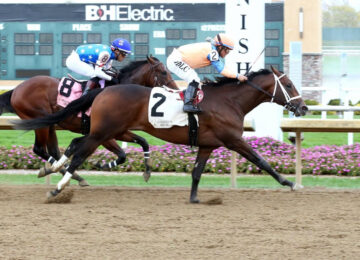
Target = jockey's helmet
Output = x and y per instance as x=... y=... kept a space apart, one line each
x=225 y=40
x=122 y=45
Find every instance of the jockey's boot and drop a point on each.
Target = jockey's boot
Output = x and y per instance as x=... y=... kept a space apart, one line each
x=190 y=95
x=90 y=84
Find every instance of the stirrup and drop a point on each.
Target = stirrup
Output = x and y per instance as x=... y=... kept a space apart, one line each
x=190 y=108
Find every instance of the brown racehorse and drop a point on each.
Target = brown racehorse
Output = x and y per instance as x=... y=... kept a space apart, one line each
x=224 y=107
x=37 y=96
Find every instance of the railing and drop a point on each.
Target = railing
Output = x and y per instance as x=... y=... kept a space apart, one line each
x=299 y=125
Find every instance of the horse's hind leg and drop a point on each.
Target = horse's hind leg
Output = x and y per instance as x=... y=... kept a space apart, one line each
x=82 y=148
x=67 y=154
x=54 y=155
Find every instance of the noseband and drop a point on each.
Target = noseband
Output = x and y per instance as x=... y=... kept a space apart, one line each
x=288 y=105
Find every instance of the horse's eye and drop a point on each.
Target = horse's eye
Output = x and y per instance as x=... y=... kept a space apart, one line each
x=288 y=85
x=164 y=73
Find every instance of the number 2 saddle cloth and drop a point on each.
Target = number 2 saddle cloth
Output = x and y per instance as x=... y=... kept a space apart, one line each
x=166 y=108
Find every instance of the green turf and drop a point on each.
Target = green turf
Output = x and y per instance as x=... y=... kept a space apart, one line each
x=10 y=137
x=208 y=181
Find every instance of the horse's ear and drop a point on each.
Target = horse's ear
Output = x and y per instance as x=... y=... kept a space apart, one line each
x=150 y=59
x=275 y=70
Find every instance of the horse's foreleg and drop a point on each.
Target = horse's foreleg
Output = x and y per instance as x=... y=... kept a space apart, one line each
x=202 y=156
x=246 y=151
x=112 y=146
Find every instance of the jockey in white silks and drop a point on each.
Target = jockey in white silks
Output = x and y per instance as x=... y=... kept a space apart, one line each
x=90 y=60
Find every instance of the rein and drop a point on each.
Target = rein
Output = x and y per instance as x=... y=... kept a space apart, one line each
x=288 y=105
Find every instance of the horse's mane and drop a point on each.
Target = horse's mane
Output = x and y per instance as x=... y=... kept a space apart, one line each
x=134 y=65
x=219 y=81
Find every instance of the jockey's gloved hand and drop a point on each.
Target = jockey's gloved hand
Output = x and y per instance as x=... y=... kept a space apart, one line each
x=111 y=72
x=241 y=78
x=98 y=72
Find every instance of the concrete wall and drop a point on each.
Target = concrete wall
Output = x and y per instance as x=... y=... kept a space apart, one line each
x=311 y=39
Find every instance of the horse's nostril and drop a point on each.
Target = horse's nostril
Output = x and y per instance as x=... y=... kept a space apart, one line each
x=305 y=108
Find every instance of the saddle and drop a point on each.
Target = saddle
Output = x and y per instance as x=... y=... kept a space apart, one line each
x=166 y=110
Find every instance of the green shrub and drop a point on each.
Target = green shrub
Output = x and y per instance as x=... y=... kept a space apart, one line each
x=311 y=102
x=334 y=102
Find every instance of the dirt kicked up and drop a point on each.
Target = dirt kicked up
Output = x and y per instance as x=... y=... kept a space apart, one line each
x=156 y=223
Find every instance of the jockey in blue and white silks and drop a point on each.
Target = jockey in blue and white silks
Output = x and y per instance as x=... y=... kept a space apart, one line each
x=90 y=60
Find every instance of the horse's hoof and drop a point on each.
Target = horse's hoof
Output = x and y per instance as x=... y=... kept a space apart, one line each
x=194 y=200
x=146 y=176
x=83 y=183
x=52 y=194
x=297 y=186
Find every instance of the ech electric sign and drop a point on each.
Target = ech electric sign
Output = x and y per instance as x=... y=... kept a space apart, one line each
x=127 y=13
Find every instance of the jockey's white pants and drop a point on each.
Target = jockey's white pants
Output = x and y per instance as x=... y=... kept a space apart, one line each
x=74 y=63
x=177 y=66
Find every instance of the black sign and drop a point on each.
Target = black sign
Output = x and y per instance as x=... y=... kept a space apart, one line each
x=112 y=12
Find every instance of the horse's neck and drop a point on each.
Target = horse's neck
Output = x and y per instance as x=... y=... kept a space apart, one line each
x=255 y=97
x=244 y=95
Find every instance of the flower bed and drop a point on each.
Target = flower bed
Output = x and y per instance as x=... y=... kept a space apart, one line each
x=320 y=160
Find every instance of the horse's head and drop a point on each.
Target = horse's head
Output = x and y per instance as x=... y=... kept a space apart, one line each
x=150 y=73
x=158 y=74
x=285 y=94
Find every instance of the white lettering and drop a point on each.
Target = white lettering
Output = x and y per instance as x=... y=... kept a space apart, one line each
x=2 y=26
x=159 y=34
x=122 y=11
x=90 y=13
x=107 y=14
x=81 y=27
x=130 y=27
x=159 y=51
x=213 y=27
x=126 y=13
x=33 y=27
x=136 y=15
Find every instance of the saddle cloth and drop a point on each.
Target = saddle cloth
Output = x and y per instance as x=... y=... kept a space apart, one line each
x=166 y=108
x=69 y=90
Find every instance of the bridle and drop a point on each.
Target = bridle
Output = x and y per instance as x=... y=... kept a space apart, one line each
x=288 y=105
x=156 y=80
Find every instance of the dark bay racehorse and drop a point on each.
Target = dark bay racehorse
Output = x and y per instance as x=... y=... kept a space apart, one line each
x=224 y=107
x=37 y=97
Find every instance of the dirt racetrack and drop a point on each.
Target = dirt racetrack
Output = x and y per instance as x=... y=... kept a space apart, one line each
x=156 y=223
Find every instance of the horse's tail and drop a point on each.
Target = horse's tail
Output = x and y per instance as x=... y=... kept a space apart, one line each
x=73 y=108
x=5 y=104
